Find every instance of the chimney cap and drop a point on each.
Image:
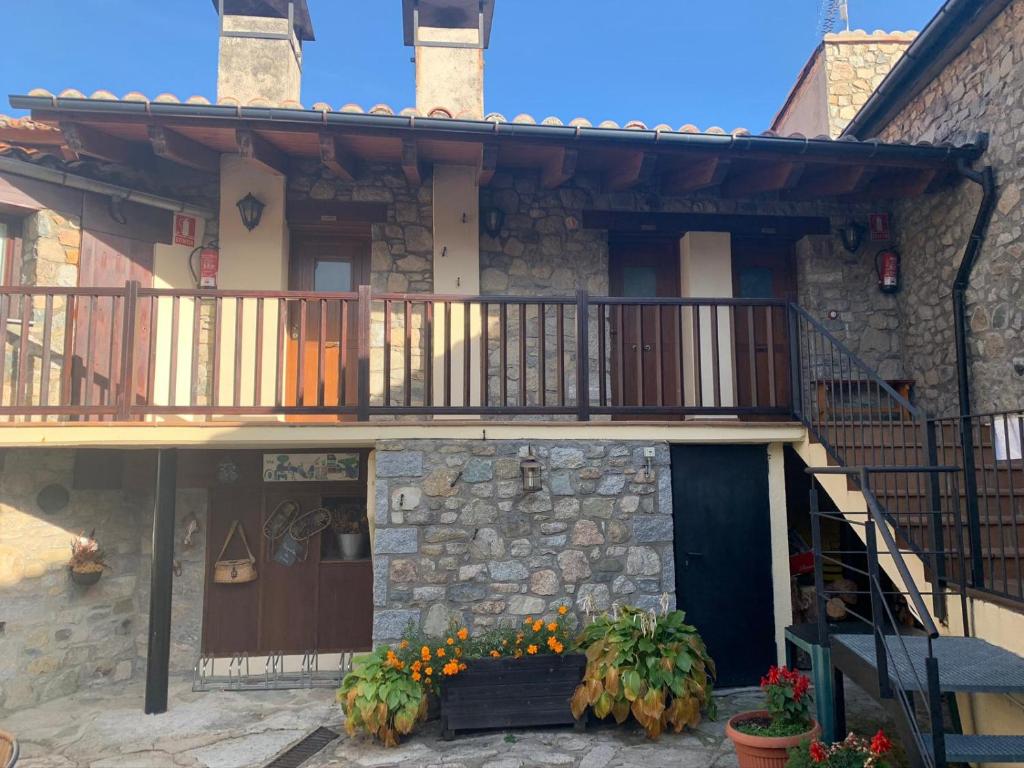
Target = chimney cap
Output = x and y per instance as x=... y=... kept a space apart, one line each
x=450 y=14
x=274 y=9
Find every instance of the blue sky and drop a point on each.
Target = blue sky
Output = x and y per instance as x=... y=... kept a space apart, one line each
x=725 y=62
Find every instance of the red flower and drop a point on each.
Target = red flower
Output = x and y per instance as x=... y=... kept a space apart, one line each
x=880 y=743
x=818 y=753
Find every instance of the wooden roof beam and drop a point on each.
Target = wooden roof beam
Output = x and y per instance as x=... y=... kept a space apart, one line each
x=844 y=180
x=336 y=159
x=708 y=172
x=86 y=140
x=183 y=150
x=411 y=163
x=559 y=168
x=488 y=164
x=631 y=170
x=776 y=177
x=254 y=148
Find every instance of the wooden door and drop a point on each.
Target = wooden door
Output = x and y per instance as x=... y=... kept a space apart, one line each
x=762 y=269
x=324 y=263
x=723 y=555
x=645 y=349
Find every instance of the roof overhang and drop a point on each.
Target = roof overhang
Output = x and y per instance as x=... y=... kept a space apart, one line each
x=678 y=163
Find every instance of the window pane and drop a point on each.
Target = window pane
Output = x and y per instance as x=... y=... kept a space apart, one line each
x=640 y=282
x=332 y=276
x=756 y=283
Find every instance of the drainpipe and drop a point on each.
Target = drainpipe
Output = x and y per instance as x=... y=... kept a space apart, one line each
x=984 y=178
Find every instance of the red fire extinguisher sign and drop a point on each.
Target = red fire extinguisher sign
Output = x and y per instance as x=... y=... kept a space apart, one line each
x=209 y=263
x=185 y=230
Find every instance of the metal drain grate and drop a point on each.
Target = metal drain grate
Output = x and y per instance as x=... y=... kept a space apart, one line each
x=304 y=750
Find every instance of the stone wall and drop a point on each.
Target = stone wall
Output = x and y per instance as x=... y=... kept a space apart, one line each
x=981 y=90
x=457 y=539
x=57 y=637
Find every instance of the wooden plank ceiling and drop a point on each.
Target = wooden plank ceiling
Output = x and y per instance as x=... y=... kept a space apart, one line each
x=348 y=153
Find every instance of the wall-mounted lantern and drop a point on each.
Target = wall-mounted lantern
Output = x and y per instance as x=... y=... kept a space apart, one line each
x=251 y=209
x=493 y=220
x=852 y=236
x=530 y=468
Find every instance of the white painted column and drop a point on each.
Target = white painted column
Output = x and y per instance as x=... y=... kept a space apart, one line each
x=456 y=271
x=705 y=272
x=779 y=519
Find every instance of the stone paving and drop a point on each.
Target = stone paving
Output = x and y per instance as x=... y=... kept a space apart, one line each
x=105 y=728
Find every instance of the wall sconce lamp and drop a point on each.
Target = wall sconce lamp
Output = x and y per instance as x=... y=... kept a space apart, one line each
x=852 y=236
x=493 y=220
x=251 y=209
x=530 y=468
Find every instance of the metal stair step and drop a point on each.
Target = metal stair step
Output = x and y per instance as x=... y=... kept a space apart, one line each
x=982 y=749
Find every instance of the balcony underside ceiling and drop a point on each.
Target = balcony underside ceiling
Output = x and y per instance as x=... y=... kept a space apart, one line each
x=349 y=144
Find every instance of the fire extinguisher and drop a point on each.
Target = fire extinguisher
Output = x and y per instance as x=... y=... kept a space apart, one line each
x=887 y=264
x=209 y=264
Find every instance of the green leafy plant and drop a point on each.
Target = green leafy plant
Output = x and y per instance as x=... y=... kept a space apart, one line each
x=787 y=694
x=653 y=667
x=852 y=752
x=381 y=696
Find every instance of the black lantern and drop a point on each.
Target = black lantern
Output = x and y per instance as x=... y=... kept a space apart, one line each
x=493 y=220
x=251 y=209
x=530 y=468
x=853 y=236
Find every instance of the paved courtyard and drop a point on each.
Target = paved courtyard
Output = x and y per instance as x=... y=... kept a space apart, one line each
x=105 y=728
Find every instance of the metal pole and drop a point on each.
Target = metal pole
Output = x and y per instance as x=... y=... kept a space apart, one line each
x=874 y=589
x=796 y=384
x=819 y=571
x=161 y=582
x=937 y=557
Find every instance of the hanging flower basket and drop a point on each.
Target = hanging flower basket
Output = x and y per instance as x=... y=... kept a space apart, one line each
x=86 y=578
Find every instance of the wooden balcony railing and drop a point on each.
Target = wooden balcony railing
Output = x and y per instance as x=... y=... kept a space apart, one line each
x=131 y=353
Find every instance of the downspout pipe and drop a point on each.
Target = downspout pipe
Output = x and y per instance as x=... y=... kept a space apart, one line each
x=986 y=179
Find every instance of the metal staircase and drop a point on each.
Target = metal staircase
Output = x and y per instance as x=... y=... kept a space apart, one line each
x=883 y=462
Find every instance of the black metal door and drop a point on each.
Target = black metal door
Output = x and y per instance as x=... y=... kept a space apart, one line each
x=723 y=555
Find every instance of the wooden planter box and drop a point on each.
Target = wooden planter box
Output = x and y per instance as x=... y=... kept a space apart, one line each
x=511 y=693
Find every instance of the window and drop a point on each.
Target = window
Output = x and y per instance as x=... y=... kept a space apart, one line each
x=10 y=242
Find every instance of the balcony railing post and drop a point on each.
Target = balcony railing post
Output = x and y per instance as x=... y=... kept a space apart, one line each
x=937 y=559
x=796 y=385
x=363 y=408
x=819 y=567
x=126 y=391
x=582 y=356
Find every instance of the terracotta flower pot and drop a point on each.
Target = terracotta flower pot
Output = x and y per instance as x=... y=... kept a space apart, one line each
x=764 y=751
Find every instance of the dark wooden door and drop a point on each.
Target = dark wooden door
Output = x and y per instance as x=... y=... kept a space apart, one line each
x=645 y=349
x=762 y=269
x=325 y=263
x=723 y=555
x=231 y=612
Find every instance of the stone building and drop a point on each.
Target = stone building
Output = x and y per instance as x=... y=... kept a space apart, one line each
x=532 y=363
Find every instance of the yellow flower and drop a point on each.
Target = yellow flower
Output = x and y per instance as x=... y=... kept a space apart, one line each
x=458 y=652
x=538 y=625
x=504 y=643
x=552 y=627
x=463 y=634
x=450 y=641
x=429 y=671
x=531 y=649
x=562 y=610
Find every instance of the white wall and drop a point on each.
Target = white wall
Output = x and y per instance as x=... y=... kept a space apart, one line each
x=705 y=271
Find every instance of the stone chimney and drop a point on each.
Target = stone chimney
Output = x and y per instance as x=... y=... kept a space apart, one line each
x=449 y=38
x=261 y=49
x=842 y=73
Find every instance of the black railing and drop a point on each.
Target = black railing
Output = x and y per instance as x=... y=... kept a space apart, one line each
x=895 y=663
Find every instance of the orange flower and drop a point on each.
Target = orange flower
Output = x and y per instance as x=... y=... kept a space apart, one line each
x=425 y=653
x=495 y=654
x=552 y=627
x=404 y=644
x=450 y=641
x=562 y=610
x=462 y=667
x=538 y=625
x=451 y=668
x=440 y=653
x=463 y=634
x=416 y=666
x=528 y=620
x=531 y=649
x=416 y=676
x=504 y=643
x=429 y=671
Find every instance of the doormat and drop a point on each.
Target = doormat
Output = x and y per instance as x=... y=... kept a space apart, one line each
x=305 y=749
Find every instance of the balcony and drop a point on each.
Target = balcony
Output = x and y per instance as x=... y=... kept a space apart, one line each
x=133 y=354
